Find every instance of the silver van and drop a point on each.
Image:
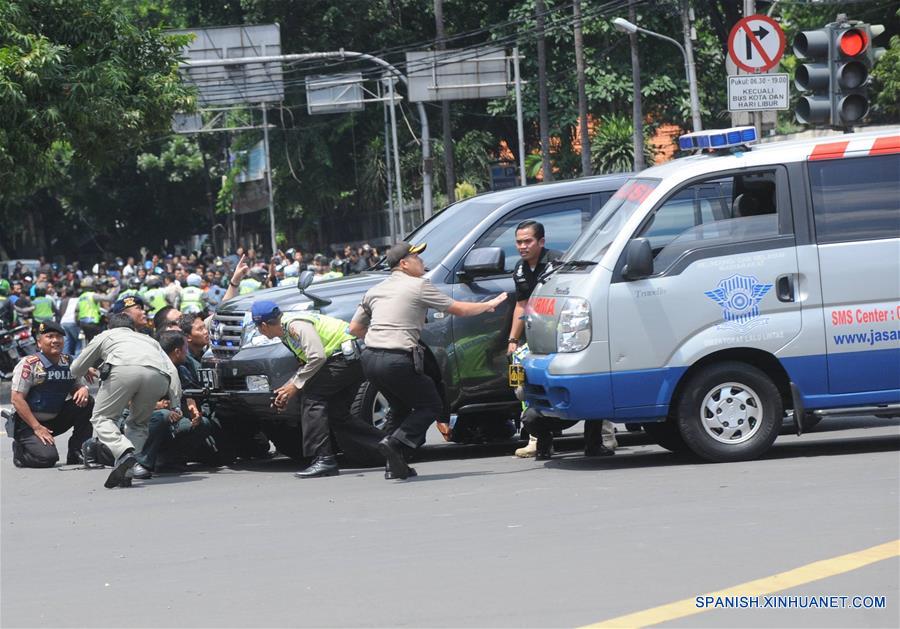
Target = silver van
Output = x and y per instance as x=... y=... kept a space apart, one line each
x=715 y=293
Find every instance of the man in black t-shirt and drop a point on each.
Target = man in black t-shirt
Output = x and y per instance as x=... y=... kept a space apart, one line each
x=533 y=262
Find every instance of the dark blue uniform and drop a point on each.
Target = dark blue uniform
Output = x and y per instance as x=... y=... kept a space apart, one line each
x=46 y=386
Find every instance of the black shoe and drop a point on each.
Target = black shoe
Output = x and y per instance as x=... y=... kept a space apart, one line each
x=140 y=472
x=74 y=458
x=389 y=475
x=89 y=454
x=544 y=449
x=393 y=453
x=119 y=474
x=17 y=454
x=321 y=466
x=599 y=451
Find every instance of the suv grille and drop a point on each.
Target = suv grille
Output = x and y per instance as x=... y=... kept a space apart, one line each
x=225 y=335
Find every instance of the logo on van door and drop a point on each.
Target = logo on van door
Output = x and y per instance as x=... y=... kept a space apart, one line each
x=739 y=297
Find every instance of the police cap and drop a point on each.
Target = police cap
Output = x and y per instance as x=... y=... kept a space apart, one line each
x=45 y=327
x=402 y=249
x=127 y=302
x=264 y=310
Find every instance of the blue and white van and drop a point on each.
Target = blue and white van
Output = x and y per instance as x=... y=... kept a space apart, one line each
x=715 y=293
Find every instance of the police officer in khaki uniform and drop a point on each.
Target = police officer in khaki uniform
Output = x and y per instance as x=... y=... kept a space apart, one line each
x=48 y=401
x=135 y=371
x=391 y=317
x=329 y=377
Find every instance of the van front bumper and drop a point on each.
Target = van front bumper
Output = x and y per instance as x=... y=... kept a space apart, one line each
x=572 y=397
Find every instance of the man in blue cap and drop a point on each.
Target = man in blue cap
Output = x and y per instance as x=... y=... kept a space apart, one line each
x=329 y=376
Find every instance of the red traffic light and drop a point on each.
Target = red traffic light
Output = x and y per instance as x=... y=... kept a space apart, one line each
x=853 y=41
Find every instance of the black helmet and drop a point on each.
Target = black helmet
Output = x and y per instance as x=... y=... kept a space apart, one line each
x=259 y=273
x=40 y=289
x=134 y=283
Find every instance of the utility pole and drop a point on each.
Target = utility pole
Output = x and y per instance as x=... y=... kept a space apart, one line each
x=449 y=157
x=689 y=60
x=637 y=116
x=755 y=116
x=582 y=92
x=540 y=9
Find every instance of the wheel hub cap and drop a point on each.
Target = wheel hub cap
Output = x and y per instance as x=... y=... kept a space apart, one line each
x=731 y=413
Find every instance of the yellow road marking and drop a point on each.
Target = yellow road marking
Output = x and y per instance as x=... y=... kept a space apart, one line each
x=760 y=587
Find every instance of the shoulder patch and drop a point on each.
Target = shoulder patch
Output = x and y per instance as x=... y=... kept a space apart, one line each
x=33 y=359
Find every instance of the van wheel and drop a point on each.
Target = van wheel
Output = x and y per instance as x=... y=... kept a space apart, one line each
x=665 y=434
x=371 y=406
x=730 y=411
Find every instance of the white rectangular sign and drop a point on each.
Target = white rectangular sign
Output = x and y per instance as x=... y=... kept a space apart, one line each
x=758 y=92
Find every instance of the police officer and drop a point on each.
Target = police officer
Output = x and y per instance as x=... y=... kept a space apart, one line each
x=44 y=307
x=255 y=282
x=134 y=288
x=329 y=376
x=391 y=317
x=193 y=299
x=133 y=307
x=155 y=297
x=6 y=306
x=48 y=399
x=134 y=371
x=89 y=313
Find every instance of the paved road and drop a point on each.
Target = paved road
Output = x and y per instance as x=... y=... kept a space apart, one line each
x=485 y=540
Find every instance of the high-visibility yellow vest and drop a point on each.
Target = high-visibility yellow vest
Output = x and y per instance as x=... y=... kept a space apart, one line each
x=333 y=332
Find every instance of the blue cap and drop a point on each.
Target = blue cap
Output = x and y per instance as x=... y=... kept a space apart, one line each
x=264 y=310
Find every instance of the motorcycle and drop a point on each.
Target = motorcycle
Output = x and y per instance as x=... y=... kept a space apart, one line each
x=25 y=343
x=9 y=353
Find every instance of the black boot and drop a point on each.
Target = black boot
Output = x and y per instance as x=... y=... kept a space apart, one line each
x=393 y=452
x=89 y=456
x=389 y=475
x=321 y=466
x=544 y=449
x=140 y=472
x=119 y=477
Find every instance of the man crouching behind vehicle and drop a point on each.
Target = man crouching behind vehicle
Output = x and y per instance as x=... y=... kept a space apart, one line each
x=329 y=376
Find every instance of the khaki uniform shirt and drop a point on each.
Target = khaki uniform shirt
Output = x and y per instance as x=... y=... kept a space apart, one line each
x=394 y=310
x=124 y=346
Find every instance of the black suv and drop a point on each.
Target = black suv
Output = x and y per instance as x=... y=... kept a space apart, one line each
x=466 y=355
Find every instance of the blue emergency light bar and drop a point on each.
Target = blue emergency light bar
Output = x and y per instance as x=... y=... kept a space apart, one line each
x=717 y=138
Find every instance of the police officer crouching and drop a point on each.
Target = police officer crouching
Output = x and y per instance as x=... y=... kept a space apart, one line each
x=329 y=377
x=391 y=317
x=48 y=400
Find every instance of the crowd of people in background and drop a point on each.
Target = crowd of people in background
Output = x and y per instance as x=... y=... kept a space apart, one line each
x=77 y=296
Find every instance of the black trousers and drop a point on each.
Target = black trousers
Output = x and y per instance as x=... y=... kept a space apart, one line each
x=32 y=452
x=325 y=408
x=541 y=426
x=414 y=398
x=90 y=331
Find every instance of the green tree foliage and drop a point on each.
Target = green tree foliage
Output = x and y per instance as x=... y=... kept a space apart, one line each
x=79 y=83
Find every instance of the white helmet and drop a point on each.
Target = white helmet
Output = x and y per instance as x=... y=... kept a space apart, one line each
x=194 y=280
x=292 y=270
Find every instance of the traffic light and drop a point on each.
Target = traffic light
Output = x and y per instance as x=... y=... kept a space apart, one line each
x=854 y=57
x=834 y=73
x=814 y=76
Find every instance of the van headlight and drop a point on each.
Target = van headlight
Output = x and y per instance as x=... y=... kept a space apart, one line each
x=573 y=332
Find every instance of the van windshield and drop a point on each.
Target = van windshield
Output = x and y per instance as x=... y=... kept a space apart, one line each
x=605 y=226
x=448 y=228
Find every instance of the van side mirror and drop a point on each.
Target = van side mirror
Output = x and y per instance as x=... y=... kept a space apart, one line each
x=638 y=259
x=305 y=279
x=485 y=261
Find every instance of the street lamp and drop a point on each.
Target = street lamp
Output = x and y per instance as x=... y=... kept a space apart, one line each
x=625 y=26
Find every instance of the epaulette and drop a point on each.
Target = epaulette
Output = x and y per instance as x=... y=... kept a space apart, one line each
x=31 y=360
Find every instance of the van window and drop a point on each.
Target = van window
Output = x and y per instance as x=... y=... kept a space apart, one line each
x=738 y=208
x=856 y=198
x=563 y=222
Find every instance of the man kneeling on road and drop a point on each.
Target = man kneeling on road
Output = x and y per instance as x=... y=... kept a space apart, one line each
x=48 y=400
x=329 y=376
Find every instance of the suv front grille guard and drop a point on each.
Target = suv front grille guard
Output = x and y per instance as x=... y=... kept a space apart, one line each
x=225 y=334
